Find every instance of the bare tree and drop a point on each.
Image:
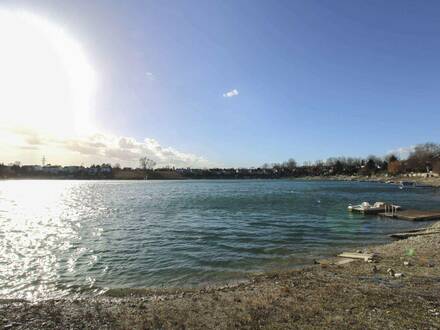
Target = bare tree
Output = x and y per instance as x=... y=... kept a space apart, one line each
x=146 y=163
x=143 y=163
x=422 y=156
x=290 y=164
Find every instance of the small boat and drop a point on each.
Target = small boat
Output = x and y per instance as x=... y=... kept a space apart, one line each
x=367 y=208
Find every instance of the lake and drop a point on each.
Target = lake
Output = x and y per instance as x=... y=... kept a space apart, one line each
x=66 y=238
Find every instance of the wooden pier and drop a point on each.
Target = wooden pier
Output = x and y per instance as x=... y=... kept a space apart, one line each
x=412 y=215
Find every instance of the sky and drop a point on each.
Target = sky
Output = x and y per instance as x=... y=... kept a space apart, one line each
x=217 y=83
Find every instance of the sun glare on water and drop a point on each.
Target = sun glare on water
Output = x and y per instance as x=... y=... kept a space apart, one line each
x=46 y=82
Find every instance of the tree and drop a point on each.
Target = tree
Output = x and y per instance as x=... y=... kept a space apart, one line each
x=392 y=158
x=373 y=164
x=436 y=166
x=146 y=163
x=290 y=164
x=394 y=167
x=338 y=167
x=421 y=158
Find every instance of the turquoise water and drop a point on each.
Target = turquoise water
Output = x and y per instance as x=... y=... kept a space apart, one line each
x=62 y=238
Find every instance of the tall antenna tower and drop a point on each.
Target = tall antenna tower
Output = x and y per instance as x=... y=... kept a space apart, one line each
x=43 y=161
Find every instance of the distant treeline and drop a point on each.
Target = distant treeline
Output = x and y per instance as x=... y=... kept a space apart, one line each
x=424 y=158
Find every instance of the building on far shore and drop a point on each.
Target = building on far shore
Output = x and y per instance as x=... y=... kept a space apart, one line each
x=52 y=169
x=72 y=169
x=32 y=168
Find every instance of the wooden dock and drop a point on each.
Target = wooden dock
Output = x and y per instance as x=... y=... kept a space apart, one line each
x=412 y=215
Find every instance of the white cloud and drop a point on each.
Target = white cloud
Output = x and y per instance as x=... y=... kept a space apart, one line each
x=231 y=93
x=402 y=152
x=150 y=75
x=96 y=148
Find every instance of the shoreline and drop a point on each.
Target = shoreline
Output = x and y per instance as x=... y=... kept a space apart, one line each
x=432 y=182
x=359 y=294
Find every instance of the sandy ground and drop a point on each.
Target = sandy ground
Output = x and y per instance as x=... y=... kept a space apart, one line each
x=358 y=295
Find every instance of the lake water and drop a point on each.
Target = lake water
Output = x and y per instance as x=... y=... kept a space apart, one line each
x=62 y=238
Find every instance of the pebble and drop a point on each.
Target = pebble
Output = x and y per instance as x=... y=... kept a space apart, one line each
x=390 y=271
x=434 y=312
x=398 y=275
x=406 y=263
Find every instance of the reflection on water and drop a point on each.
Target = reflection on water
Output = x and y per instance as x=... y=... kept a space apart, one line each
x=66 y=237
x=41 y=235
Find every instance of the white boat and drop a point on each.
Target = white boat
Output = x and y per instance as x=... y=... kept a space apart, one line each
x=367 y=208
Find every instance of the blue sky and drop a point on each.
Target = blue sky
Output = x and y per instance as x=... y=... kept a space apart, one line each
x=314 y=78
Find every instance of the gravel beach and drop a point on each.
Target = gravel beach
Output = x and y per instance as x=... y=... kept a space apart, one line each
x=401 y=290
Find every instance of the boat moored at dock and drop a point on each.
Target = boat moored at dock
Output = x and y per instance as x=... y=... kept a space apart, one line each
x=367 y=208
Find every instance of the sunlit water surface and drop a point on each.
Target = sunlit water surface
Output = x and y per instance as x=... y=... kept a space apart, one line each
x=61 y=238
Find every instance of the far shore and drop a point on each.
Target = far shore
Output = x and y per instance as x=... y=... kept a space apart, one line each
x=357 y=295
x=421 y=181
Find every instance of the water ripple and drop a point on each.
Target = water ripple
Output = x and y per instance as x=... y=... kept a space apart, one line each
x=61 y=238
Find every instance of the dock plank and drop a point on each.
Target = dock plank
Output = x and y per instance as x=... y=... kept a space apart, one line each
x=335 y=261
x=344 y=261
x=356 y=255
x=413 y=215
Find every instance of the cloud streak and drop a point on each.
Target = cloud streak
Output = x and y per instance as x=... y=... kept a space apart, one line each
x=231 y=93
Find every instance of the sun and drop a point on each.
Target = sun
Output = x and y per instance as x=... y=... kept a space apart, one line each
x=46 y=81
